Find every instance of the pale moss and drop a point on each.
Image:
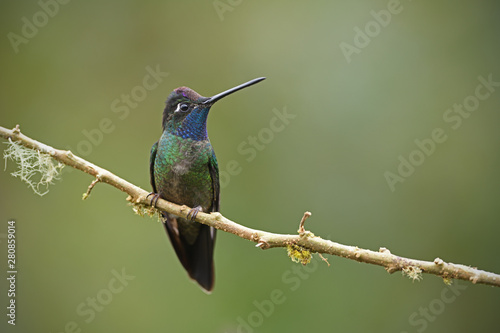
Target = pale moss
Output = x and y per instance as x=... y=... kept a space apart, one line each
x=143 y=210
x=413 y=272
x=447 y=281
x=299 y=254
x=36 y=169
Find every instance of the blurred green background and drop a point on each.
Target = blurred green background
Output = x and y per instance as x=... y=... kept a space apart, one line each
x=355 y=116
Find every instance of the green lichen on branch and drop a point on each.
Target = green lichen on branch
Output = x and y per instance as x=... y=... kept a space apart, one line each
x=447 y=281
x=143 y=210
x=299 y=254
x=36 y=169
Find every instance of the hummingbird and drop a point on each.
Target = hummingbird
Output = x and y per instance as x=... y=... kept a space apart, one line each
x=184 y=170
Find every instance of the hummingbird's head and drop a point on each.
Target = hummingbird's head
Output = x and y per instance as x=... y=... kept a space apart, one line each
x=186 y=111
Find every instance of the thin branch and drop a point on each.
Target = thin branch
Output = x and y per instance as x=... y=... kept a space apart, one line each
x=305 y=241
x=91 y=187
x=301 y=230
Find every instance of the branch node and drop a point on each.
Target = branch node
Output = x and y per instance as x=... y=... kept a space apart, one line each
x=391 y=269
x=263 y=245
x=217 y=216
x=474 y=279
x=91 y=186
x=184 y=208
x=384 y=250
x=301 y=230
x=438 y=261
x=69 y=154
x=255 y=237
x=16 y=130
x=357 y=252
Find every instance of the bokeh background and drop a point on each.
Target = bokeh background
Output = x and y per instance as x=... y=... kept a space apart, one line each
x=355 y=116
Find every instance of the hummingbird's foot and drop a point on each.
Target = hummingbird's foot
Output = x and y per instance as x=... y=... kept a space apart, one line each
x=154 y=199
x=193 y=212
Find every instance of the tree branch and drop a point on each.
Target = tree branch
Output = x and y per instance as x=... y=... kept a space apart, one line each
x=299 y=246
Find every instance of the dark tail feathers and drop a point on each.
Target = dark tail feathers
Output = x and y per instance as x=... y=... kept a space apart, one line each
x=197 y=258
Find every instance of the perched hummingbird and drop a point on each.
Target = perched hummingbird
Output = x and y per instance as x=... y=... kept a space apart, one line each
x=184 y=171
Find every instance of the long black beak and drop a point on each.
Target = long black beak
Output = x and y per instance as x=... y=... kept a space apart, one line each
x=215 y=98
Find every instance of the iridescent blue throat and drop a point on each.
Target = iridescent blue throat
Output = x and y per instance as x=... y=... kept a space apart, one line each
x=194 y=126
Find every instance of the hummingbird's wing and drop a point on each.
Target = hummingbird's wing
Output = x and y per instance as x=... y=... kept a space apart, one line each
x=152 y=157
x=213 y=168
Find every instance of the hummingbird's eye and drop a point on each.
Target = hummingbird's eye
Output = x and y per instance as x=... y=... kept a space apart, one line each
x=183 y=107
